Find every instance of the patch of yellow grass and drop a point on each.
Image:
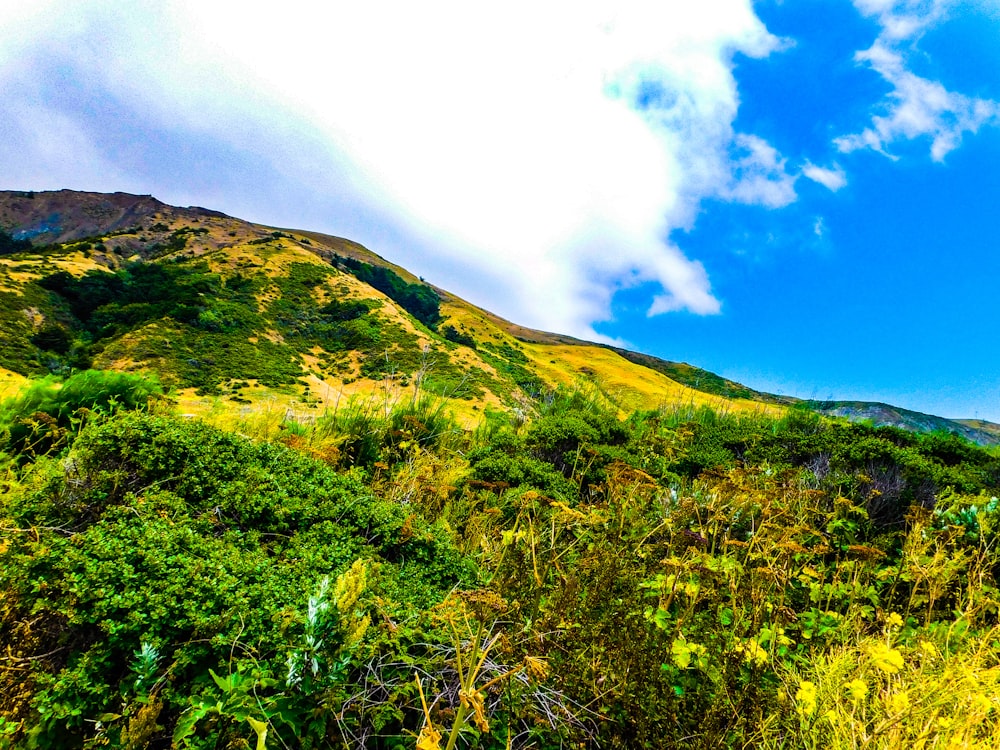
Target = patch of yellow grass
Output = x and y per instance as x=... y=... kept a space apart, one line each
x=10 y=383
x=629 y=385
x=75 y=263
x=625 y=383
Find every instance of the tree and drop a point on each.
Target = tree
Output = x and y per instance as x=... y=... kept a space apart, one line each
x=9 y=246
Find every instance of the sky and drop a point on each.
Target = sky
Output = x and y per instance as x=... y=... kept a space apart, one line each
x=800 y=195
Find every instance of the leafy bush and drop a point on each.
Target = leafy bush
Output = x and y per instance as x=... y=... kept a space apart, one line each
x=422 y=302
x=199 y=549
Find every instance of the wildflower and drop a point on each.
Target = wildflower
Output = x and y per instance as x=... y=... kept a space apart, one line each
x=752 y=652
x=928 y=648
x=832 y=717
x=899 y=702
x=944 y=722
x=889 y=660
x=429 y=739
x=857 y=689
x=805 y=698
x=893 y=620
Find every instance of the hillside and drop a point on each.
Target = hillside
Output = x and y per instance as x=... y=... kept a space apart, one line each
x=224 y=309
x=884 y=415
x=267 y=342
x=262 y=488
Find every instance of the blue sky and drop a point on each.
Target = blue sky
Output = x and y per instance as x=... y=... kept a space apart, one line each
x=797 y=195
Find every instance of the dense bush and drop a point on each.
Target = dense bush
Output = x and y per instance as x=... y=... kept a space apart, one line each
x=674 y=580
x=9 y=246
x=420 y=300
x=201 y=549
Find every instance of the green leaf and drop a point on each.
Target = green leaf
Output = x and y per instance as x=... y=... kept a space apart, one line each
x=224 y=683
x=189 y=719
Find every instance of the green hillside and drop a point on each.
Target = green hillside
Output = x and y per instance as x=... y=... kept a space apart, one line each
x=884 y=415
x=221 y=309
x=262 y=488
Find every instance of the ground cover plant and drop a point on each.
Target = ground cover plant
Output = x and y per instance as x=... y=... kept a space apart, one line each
x=381 y=577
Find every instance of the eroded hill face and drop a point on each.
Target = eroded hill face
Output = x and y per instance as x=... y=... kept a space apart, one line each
x=233 y=314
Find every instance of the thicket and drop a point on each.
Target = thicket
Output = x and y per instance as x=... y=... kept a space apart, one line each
x=9 y=246
x=44 y=416
x=420 y=300
x=386 y=579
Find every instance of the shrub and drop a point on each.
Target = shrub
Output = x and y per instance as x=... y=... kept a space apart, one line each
x=9 y=246
x=199 y=549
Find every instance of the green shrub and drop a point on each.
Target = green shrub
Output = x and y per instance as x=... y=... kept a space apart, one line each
x=9 y=246
x=420 y=300
x=201 y=549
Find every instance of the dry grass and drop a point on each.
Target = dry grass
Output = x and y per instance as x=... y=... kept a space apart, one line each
x=626 y=384
x=10 y=383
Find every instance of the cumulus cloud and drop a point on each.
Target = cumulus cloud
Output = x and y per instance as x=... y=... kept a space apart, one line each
x=916 y=107
x=550 y=150
x=832 y=179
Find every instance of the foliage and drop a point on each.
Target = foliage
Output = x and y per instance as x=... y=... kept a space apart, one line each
x=191 y=323
x=370 y=431
x=10 y=246
x=672 y=579
x=38 y=420
x=205 y=547
x=458 y=336
x=511 y=362
x=420 y=300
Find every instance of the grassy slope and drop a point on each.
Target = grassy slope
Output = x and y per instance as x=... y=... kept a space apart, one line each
x=107 y=231
x=146 y=230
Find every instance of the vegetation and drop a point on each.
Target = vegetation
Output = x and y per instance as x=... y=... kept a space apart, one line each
x=41 y=419
x=567 y=572
x=197 y=327
x=9 y=246
x=422 y=302
x=384 y=578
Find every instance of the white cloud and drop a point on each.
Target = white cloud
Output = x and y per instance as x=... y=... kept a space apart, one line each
x=548 y=149
x=916 y=107
x=758 y=174
x=904 y=19
x=831 y=178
